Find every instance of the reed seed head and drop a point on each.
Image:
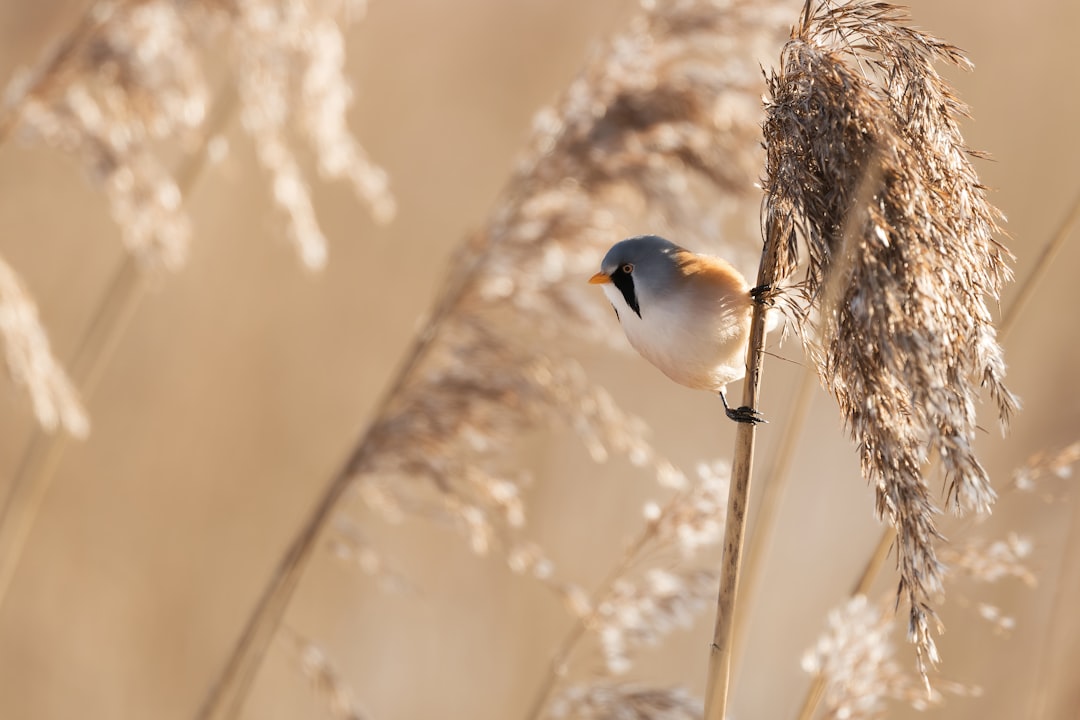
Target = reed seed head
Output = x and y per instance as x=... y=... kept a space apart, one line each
x=868 y=177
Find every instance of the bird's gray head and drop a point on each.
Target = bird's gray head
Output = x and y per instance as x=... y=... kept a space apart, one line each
x=638 y=266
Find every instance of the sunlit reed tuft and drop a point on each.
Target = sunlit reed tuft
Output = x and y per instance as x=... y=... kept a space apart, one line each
x=326 y=682
x=658 y=131
x=857 y=659
x=30 y=360
x=1058 y=463
x=611 y=701
x=128 y=79
x=130 y=86
x=133 y=78
x=646 y=611
x=867 y=168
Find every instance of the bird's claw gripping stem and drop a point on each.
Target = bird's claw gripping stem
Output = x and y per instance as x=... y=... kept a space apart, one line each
x=744 y=414
x=761 y=293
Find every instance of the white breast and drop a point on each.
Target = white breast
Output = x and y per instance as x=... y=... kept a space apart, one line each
x=699 y=342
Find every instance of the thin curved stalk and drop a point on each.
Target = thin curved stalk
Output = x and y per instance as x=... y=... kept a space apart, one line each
x=1042 y=266
x=109 y=321
x=1060 y=613
x=41 y=458
x=776 y=485
x=227 y=696
x=862 y=586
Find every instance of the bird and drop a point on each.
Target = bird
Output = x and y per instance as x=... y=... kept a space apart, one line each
x=686 y=313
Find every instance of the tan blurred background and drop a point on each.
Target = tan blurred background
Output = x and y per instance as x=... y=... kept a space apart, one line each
x=242 y=380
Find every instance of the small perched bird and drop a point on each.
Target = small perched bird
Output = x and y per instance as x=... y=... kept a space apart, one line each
x=687 y=314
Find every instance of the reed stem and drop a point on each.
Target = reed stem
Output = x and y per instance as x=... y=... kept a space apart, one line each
x=109 y=320
x=718 y=679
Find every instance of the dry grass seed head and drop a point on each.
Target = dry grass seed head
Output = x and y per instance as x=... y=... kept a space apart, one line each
x=624 y=701
x=856 y=656
x=325 y=680
x=132 y=80
x=31 y=363
x=657 y=127
x=903 y=338
x=644 y=612
x=289 y=60
x=1044 y=464
x=988 y=560
x=129 y=86
x=694 y=517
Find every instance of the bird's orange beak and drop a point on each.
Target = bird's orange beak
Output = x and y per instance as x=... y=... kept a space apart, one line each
x=600 y=278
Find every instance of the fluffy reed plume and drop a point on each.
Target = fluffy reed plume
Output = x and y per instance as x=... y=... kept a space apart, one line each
x=133 y=76
x=128 y=77
x=850 y=686
x=655 y=130
x=988 y=560
x=1044 y=464
x=30 y=361
x=129 y=86
x=856 y=658
x=281 y=50
x=653 y=590
x=643 y=613
x=634 y=611
x=351 y=545
x=660 y=130
x=622 y=701
x=867 y=166
x=325 y=680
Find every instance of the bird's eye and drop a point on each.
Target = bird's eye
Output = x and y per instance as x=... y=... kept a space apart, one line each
x=628 y=268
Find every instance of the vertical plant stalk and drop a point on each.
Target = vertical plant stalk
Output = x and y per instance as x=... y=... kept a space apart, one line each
x=816 y=691
x=1042 y=266
x=776 y=484
x=637 y=120
x=41 y=458
x=109 y=320
x=877 y=559
x=1061 y=611
x=720 y=653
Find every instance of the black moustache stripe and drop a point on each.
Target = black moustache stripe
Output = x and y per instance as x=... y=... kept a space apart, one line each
x=625 y=284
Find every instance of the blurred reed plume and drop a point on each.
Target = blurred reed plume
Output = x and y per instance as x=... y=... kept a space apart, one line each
x=856 y=658
x=325 y=680
x=601 y=701
x=136 y=74
x=657 y=586
x=659 y=130
x=30 y=361
x=1044 y=464
x=867 y=166
x=867 y=186
x=634 y=139
x=853 y=661
x=130 y=87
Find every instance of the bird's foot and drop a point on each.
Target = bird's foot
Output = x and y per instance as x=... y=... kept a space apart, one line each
x=745 y=414
x=761 y=294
